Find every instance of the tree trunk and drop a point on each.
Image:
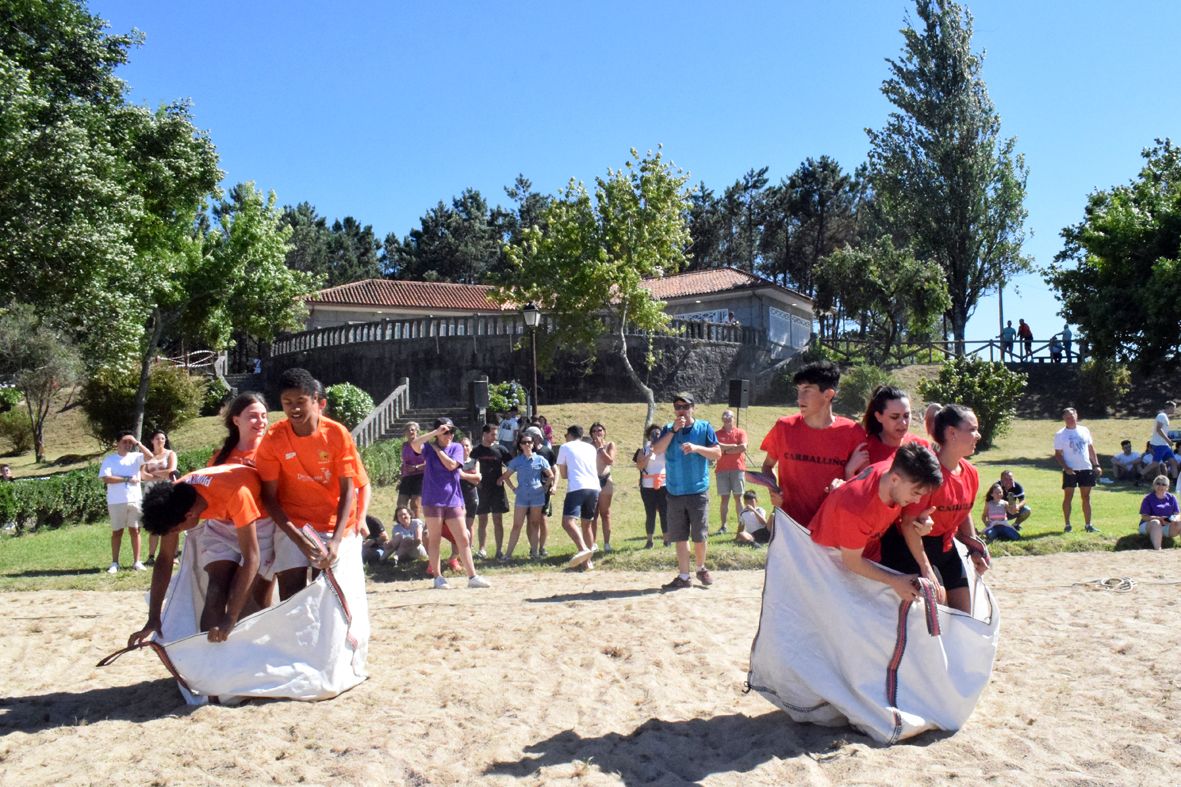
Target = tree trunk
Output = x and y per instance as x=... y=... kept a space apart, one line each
x=649 y=396
x=959 y=321
x=38 y=422
x=155 y=331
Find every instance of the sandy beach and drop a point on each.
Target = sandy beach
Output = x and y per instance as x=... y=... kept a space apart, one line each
x=598 y=678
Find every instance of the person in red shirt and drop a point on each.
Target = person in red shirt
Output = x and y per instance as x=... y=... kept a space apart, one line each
x=226 y=497
x=307 y=466
x=887 y=423
x=730 y=472
x=926 y=546
x=855 y=513
x=815 y=447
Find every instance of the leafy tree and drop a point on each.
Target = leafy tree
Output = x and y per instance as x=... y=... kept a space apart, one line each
x=707 y=228
x=457 y=242
x=744 y=207
x=886 y=289
x=353 y=252
x=311 y=242
x=989 y=388
x=944 y=181
x=529 y=212
x=585 y=269
x=42 y=363
x=1119 y=274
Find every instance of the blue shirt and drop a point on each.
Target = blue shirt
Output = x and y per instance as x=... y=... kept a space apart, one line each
x=688 y=474
x=529 y=472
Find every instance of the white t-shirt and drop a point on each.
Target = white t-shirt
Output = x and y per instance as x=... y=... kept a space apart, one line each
x=750 y=522
x=581 y=468
x=1162 y=424
x=1126 y=460
x=507 y=431
x=1073 y=445
x=115 y=466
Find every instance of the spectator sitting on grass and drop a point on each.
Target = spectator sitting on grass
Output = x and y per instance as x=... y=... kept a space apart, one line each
x=753 y=527
x=996 y=516
x=376 y=546
x=1159 y=514
x=406 y=538
x=1015 y=499
x=1126 y=464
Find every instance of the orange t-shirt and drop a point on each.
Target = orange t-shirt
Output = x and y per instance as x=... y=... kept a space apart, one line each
x=360 y=481
x=728 y=462
x=880 y=452
x=235 y=457
x=808 y=460
x=308 y=470
x=231 y=493
x=853 y=514
x=953 y=500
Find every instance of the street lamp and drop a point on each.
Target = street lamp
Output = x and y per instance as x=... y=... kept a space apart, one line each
x=532 y=316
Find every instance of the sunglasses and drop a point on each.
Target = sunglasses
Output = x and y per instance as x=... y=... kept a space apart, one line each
x=682 y=407
x=526 y=442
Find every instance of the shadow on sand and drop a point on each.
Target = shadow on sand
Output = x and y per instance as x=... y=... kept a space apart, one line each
x=139 y=702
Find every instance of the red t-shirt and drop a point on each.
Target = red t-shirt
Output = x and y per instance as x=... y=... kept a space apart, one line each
x=952 y=500
x=809 y=459
x=729 y=462
x=231 y=493
x=308 y=470
x=880 y=452
x=853 y=514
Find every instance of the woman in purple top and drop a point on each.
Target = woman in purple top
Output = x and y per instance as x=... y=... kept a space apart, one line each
x=442 y=498
x=1159 y=514
x=410 y=486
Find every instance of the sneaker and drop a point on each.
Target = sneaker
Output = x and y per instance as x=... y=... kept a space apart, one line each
x=113 y=568
x=138 y=566
x=1067 y=529
x=594 y=547
x=151 y=561
x=1092 y=529
x=478 y=581
x=499 y=556
x=648 y=544
x=704 y=577
x=503 y=559
x=721 y=530
x=677 y=584
x=441 y=583
x=607 y=548
x=453 y=564
x=483 y=555
x=542 y=552
x=580 y=557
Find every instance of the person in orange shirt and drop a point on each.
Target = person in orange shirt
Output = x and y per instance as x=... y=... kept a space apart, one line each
x=307 y=466
x=364 y=492
x=227 y=499
x=730 y=471
x=857 y=512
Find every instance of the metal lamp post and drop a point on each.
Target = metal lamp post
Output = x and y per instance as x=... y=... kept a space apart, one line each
x=532 y=316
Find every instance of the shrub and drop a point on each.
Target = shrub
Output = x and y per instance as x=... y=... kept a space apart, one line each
x=174 y=396
x=9 y=398
x=383 y=462
x=857 y=384
x=348 y=404
x=502 y=396
x=216 y=393
x=1101 y=384
x=990 y=389
x=17 y=430
x=73 y=497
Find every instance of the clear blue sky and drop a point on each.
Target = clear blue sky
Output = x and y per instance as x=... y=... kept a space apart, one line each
x=380 y=109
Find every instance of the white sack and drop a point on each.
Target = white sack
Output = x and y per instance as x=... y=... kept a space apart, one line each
x=827 y=637
x=305 y=648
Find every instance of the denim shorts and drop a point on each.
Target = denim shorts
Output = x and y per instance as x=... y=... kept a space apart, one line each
x=581 y=503
x=530 y=498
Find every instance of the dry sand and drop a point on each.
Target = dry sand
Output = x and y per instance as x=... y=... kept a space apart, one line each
x=595 y=678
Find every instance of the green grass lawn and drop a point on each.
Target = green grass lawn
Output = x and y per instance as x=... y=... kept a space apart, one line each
x=76 y=557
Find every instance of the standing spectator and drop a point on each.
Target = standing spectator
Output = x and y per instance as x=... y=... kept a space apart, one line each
x=605 y=452
x=688 y=446
x=491 y=457
x=730 y=471
x=1025 y=333
x=577 y=464
x=547 y=431
x=410 y=484
x=1075 y=452
x=1008 y=336
x=814 y=447
x=120 y=472
x=1159 y=514
x=652 y=486
x=546 y=452
x=469 y=482
x=506 y=433
x=533 y=475
x=160 y=469
x=1159 y=443
x=1015 y=499
x=1067 y=338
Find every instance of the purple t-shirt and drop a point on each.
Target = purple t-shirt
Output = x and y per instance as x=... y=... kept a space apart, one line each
x=411 y=462
x=1155 y=506
x=440 y=486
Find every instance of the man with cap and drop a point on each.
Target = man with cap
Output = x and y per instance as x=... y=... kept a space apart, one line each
x=730 y=471
x=688 y=445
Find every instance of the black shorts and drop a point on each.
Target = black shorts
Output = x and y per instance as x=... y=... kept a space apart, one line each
x=411 y=486
x=896 y=555
x=493 y=500
x=1080 y=478
x=762 y=535
x=471 y=499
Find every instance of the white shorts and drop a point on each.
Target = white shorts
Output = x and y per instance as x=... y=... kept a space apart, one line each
x=288 y=555
x=1164 y=528
x=219 y=541
x=124 y=515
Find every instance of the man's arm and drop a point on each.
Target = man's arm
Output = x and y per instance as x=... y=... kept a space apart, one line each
x=161 y=575
x=903 y=584
x=662 y=442
x=1062 y=461
x=1098 y=468
x=240 y=587
x=914 y=542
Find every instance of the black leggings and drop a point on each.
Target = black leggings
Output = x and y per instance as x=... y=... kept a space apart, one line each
x=655 y=502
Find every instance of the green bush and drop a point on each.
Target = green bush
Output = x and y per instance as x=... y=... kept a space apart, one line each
x=16 y=430
x=383 y=462
x=857 y=384
x=9 y=398
x=502 y=396
x=73 y=497
x=216 y=393
x=174 y=396
x=348 y=404
x=1101 y=384
x=990 y=389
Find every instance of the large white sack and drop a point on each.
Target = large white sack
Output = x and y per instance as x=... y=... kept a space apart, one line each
x=827 y=638
x=313 y=646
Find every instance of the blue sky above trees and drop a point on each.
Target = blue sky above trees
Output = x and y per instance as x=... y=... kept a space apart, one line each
x=379 y=110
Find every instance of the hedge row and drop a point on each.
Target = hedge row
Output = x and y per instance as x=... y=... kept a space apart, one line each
x=78 y=496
